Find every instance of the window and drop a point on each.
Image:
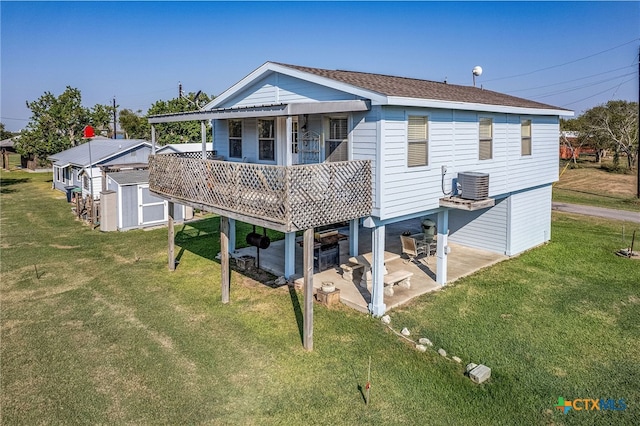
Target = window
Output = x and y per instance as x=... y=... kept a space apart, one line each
x=525 y=131
x=336 y=148
x=58 y=175
x=235 y=138
x=85 y=182
x=486 y=139
x=266 y=140
x=418 y=141
x=294 y=136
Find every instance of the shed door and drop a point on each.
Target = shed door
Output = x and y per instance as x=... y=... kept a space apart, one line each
x=151 y=209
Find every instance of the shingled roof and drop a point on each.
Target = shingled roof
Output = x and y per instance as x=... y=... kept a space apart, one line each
x=421 y=89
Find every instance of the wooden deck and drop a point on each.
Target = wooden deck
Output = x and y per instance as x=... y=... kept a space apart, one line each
x=283 y=198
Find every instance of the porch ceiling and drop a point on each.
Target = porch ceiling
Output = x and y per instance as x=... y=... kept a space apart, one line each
x=298 y=108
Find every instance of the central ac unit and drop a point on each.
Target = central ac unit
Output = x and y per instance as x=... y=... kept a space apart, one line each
x=473 y=185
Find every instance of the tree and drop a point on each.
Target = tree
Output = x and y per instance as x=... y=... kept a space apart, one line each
x=57 y=123
x=614 y=125
x=181 y=132
x=101 y=116
x=133 y=125
x=573 y=144
x=4 y=134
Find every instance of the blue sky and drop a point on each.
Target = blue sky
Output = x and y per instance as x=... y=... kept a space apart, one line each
x=569 y=54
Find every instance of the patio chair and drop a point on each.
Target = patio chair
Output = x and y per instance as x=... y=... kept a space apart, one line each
x=413 y=248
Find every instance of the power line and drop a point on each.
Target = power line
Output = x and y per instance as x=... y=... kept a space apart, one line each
x=584 y=86
x=599 y=93
x=563 y=64
x=572 y=80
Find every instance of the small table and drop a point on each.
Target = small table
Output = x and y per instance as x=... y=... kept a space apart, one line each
x=421 y=239
x=365 y=260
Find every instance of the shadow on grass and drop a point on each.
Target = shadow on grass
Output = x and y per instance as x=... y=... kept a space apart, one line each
x=5 y=182
x=198 y=237
x=295 y=302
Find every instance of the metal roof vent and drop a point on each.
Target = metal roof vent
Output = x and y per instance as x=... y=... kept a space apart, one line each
x=473 y=185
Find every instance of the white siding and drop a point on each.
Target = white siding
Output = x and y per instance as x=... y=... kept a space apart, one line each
x=484 y=229
x=530 y=217
x=364 y=142
x=278 y=88
x=453 y=142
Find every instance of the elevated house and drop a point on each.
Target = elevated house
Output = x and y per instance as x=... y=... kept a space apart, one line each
x=306 y=147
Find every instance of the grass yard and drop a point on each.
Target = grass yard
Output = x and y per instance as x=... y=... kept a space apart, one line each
x=95 y=329
x=592 y=185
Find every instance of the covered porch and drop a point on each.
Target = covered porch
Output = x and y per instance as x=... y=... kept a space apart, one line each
x=462 y=261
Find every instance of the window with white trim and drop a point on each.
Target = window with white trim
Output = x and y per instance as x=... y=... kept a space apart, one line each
x=235 y=138
x=417 y=141
x=266 y=140
x=85 y=182
x=337 y=144
x=294 y=135
x=525 y=132
x=486 y=139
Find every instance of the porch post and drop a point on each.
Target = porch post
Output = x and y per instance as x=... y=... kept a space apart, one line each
x=288 y=160
x=224 y=258
x=289 y=254
x=153 y=140
x=442 y=247
x=232 y=235
x=307 y=333
x=203 y=135
x=354 y=227
x=377 y=306
x=171 y=250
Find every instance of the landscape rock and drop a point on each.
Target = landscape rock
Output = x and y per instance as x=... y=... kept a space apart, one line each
x=456 y=359
x=421 y=348
x=425 y=341
x=386 y=319
x=442 y=352
x=405 y=332
x=281 y=281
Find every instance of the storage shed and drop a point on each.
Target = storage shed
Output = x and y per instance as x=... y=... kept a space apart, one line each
x=136 y=207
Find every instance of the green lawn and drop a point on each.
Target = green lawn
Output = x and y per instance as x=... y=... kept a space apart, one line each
x=95 y=329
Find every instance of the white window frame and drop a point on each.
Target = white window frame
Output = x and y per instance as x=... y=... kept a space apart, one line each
x=271 y=140
x=295 y=129
x=418 y=142
x=337 y=140
x=484 y=141
x=526 y=146
x=234 y=138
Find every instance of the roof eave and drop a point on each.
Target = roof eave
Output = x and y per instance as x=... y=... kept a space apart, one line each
x=473 y=106
x=282 y=69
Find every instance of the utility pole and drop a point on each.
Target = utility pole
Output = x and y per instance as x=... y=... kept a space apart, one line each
x=114 y=117
x=179 y=90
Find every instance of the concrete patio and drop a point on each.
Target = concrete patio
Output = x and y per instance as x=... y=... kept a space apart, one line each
x=462 y=261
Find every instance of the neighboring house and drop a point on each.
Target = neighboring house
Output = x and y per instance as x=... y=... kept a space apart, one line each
x=324 y=146
x=135 y=206
x=68 y=164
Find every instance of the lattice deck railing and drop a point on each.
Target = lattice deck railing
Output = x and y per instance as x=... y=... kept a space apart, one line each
x=292 y=198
